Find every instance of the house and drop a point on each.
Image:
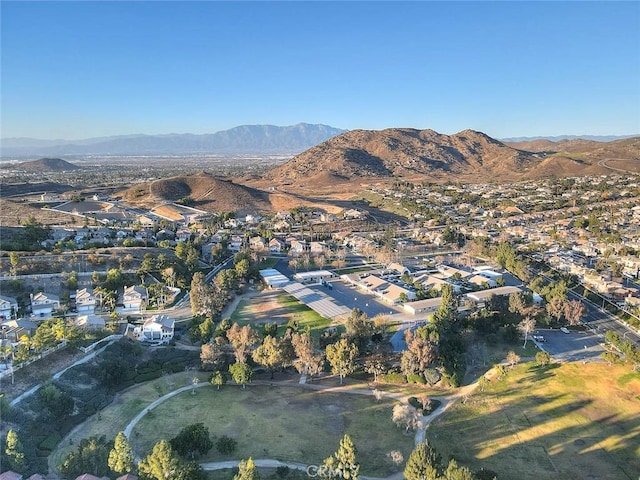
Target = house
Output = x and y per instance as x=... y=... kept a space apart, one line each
x=88 y=476
x=43 y=304
x=275 y=245
x=318 y=248
x=158 y=329
x=85 y=301
x=8 y=307
x=127 y=476
x=257 y=243
x=298 y=246
x=134 y=299
x=12 y=330
x=235 y=243
x=89 y=322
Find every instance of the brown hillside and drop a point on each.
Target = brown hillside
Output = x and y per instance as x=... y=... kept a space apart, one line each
x=45 y=165
x=409 y=154
x=209 y=193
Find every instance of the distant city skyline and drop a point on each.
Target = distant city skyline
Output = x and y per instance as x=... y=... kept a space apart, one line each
x=77 y=70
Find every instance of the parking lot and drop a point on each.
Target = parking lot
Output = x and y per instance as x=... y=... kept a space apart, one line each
x=571 y=347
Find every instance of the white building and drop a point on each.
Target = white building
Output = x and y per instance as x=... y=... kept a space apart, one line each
x=158 y=329
x=8 y=307
x=43 y=304
x=85 y=302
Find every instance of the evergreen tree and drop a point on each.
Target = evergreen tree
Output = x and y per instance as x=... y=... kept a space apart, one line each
x=161 y=463
x=241 y=373
x=343 y=463
x=341 y=355
x=269 y=354
x=121 y=456
x=423 y=463
x=247 y=471
x=14 y=451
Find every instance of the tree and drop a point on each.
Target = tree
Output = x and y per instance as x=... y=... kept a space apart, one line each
x=512 y=358
x=14 y=261
x=91 y=456
x=517 y=303
x=457 y=472
x=162 y=463
x=341 y=355
x=423 y=463
x=359 y=328
x=198 y=293
x=193 y=440
x=218 y=379
x=241 y=373
x=527 y=326
x=247 y=470
x=269 y=354
x=574 y=311
x=121 y=457
x=543 y=359
x=226 y=445
x=375 y=366
x=309 y=359
x=405 y=416
x=343 y=463
x=215 y=354
x=190 y=471
x=556 y=307
x=14 y=451
x=242 y=340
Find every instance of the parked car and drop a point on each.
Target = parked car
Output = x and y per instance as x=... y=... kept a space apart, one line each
x=539 y=338
x=564 y=330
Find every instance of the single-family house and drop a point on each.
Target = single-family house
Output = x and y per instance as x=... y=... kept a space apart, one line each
x=276 y=245
x=43 y=304
x=318 y=248
x=85 y=301
x=235 y=243
x=258 y=243
x=158 y=329
x=127 y=476
x=134 y=299
x=8 y=307
x=298 y=246
x=12 y=330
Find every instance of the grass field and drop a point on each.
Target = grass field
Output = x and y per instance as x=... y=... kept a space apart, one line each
x=270 y=306
x=569 y=421
x=283 y=423
x=113 y=418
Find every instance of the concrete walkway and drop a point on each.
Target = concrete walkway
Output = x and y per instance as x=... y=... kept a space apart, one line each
x=57 y=375
x=423 y=423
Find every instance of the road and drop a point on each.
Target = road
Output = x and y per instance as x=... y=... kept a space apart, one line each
x=601 y=320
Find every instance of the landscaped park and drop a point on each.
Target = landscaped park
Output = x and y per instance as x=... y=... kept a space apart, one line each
x=561 y=421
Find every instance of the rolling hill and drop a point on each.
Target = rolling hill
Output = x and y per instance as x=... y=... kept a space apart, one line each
x=468 y=156
x=44 y=165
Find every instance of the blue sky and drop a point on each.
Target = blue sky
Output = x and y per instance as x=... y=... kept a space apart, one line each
x=82 y=69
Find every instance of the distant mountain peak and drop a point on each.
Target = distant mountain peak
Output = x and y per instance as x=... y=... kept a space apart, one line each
x=244 y=139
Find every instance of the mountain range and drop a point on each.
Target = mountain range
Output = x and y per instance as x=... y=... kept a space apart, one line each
x=244 y=139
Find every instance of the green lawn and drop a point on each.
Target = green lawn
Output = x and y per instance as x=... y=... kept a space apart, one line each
x=282 y=309
x=570 y=421
x=284 y=423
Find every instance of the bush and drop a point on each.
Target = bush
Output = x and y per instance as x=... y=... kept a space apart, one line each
x=226 y=445
x=416 y=378
x=50 y=443
x=392 y=377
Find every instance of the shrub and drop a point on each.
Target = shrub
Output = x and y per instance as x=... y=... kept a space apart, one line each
x=392 y=377
x=226 y=445
x=416 y=378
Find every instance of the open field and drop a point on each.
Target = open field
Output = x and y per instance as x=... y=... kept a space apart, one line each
x=284 y=423
x=272 y=306
x=566 y=421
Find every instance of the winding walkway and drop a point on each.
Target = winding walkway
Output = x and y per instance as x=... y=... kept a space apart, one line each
x=446 y=402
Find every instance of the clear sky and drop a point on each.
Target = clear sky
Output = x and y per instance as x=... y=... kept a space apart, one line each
x=82 y=69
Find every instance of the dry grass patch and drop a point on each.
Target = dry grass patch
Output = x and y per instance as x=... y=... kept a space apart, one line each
x=284 y=423
x=570 y=421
